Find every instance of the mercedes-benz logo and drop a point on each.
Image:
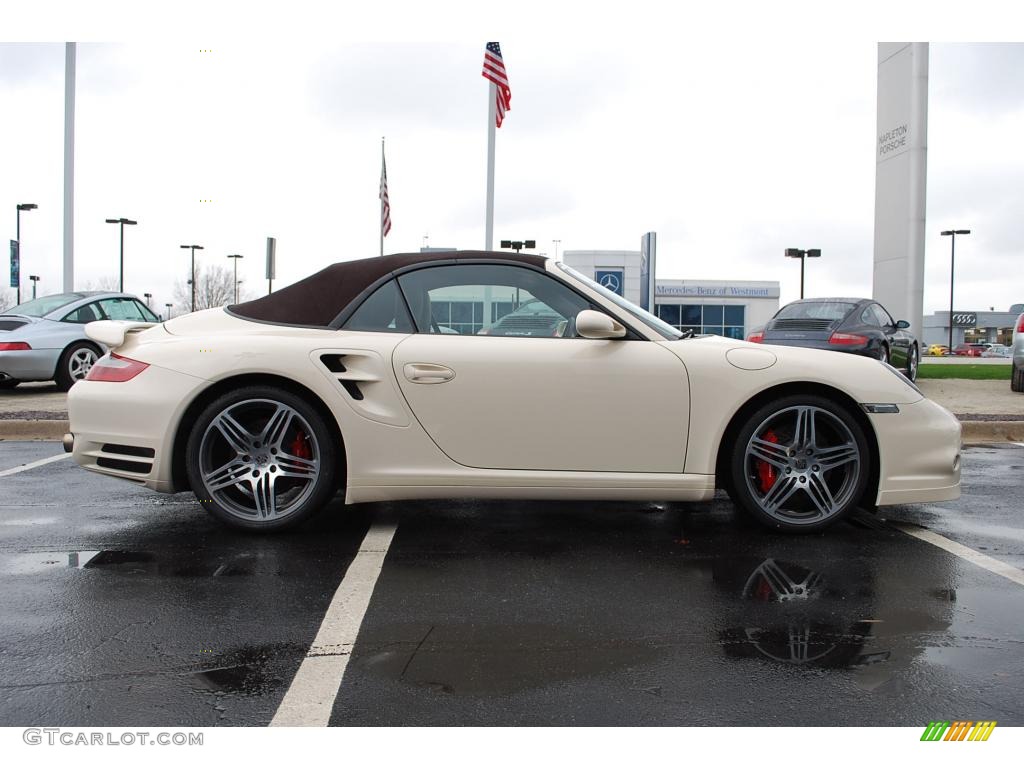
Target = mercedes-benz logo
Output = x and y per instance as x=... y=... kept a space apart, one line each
x=611 y=282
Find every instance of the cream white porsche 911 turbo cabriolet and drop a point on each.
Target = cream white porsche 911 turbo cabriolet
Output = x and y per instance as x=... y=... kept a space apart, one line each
x=487 y=375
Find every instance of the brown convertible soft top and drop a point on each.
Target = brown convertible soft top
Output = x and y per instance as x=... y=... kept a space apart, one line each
x=320 y=298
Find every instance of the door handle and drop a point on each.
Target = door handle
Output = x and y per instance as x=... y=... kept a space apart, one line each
x=428 y=373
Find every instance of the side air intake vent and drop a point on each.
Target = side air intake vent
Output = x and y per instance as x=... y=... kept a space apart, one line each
x=333 y=363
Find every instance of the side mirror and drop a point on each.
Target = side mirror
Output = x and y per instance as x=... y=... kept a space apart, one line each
x=597 y=325
x=902 y=324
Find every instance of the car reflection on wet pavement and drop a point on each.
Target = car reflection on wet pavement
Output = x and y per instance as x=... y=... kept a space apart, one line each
x=121 y=607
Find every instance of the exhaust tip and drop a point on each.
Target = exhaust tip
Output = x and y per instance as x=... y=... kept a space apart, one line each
x=68 y=442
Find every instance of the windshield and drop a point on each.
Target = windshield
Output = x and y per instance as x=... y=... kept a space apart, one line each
x=44 y=305
x=814 y=310
x=643 y=315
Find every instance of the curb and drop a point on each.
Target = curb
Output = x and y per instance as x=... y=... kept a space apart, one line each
x=974 y=431
x=35 y=429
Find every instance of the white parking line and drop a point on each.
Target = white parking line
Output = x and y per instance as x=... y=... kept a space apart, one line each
x=34 y=464
x=310 y=697
x=990 y=564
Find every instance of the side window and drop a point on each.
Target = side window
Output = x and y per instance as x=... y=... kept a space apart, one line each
x=121 y=309
x=84 y=314
x=490 y=300
x=382 y=311
x=882 y=315
x=147 y=313
x=867 y=315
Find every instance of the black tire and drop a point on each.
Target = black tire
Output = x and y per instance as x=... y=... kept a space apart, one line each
x=227 y=503
x=883 y=353
x=71 y=367
x=9 y=383
x=1017 y=380
x=796 y=473
x=913 y=360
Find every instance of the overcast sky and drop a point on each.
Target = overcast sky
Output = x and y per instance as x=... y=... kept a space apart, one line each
x=729 y=152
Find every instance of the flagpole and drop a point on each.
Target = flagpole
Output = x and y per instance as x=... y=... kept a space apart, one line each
x=380 y=219
x=492 y=119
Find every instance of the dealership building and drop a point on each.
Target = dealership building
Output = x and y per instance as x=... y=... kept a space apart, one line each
x=724 y=307
x=972 y=327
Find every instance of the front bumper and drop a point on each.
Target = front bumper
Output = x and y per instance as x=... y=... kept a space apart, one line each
x=29 y=364
x=919 y=454
x=126 y=429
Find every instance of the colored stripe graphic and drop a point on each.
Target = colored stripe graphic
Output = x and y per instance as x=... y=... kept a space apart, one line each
x=934 y=730
x=958 y=730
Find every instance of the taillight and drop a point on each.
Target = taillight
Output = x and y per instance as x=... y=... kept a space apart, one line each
x=13 y=346
x=1020 y=324
x=115 y=368
x=757 y=337
x=847 y=339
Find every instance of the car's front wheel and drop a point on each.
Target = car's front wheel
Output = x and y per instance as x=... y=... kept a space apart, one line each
x=912 y=363
x=800 y=464
x=262 y=459
x=1017 y=382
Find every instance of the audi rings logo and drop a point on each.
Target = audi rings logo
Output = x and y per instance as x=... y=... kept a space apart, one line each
x=965 y=318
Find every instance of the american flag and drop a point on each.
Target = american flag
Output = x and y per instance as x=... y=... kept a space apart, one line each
x=385 y=206
x=494 y=70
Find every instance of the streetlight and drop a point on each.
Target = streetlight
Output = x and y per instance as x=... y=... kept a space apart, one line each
x=518 y=245
x=193 y=280
x=147 y=297
x=122 y=222
x=21 y=207
x=952 y=233
x=796 y=253
x=34 y=279
x=236 y=257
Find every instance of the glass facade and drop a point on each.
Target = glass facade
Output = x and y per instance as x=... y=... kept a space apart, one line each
x=720 y=319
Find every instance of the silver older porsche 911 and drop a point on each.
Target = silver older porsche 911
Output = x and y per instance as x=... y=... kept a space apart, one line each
x=411 y=376
x=44 y=339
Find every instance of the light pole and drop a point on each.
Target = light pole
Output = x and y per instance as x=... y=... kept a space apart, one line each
x=796 y=253
x=147 y=297
x=122 y=222
x=34 y=279
x=168 y=305
x=193 y=280
x=952 y=233
x=518 y=245
x=21 y=207
x=236 y=257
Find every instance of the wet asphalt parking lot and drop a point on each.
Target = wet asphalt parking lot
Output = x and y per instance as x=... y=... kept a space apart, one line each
x=120 y=606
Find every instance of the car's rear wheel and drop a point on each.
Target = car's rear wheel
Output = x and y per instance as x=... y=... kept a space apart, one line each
x=1017 y=382
x=800 y=464
x=883 y=353
x=912 y=362
x=261 y=458
x=75 y=364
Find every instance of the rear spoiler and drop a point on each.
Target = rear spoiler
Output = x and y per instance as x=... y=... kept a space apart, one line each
x=112 y=332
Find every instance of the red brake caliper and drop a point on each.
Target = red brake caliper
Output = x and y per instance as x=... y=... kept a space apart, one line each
x=766 y=473
x=300 y=446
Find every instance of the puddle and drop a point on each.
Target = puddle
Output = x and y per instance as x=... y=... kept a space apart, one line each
x=249 y=670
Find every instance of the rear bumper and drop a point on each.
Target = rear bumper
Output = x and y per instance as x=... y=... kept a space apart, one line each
x=127 y=429
x=29 y=364
x=919 y=454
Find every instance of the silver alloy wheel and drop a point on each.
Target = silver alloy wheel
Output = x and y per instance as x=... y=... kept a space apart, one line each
x=884 y=354
x=81 y=362
x=808 y=459
x=248 y=465
x=912 y=365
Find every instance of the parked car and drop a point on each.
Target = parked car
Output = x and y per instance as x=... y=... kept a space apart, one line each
x=343 y=382
x=1017 y=379
x=860 y=326
x=44 y=339
x=969 y=350
x=997 y=350
x=532 y=318
x=937 y=350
